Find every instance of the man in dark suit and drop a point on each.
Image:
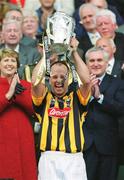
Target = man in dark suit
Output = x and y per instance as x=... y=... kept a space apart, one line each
x=101 y=122
x=12 y=35
x=87 y=12
x=106 y=26
x=101 y=4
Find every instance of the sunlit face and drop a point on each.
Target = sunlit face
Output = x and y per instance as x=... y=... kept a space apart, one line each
x=59 y=79
x=8 y=66
x=96 y=63
x=30 y=25
x=87 y=15
x=12 y=34
x=106 y=45
x=105 y=26
x=47 y=3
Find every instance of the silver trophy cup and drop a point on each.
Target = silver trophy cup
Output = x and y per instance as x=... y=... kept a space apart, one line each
x=60 y=29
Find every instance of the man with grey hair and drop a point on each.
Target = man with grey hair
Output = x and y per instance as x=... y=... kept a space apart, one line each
x=101 y=125
x=15 y=14
x=12 y=34
x=102 y=4
x=104 y=29
x=115 y=66
x=106 y=26
x=87 y=12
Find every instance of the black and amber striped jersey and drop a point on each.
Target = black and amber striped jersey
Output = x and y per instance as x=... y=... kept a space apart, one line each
x=61 y=121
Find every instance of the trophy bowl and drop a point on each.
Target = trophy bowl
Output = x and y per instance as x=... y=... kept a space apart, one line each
x=60 y=29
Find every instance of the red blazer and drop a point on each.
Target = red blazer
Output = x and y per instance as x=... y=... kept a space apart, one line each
x=17 y=151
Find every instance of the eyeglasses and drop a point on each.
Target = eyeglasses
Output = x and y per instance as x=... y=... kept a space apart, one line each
x=19 y=19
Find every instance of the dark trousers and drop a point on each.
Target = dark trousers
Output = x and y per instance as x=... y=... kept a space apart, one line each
x=100 y=166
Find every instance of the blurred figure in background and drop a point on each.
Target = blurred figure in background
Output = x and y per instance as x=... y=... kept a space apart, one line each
x=30 y=24
x=30 y=5
x=46 y=9
x=106 y=26
x=1 y=36
x=12 y=34
x=67 y=7
x=115 y=66
x=102 y=4
x=17 y=14
x=87 y=12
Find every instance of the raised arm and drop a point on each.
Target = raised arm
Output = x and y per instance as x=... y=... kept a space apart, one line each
x=38 y=87
x=81 y=67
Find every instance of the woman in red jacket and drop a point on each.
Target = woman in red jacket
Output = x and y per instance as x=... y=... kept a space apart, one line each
x=17 y=151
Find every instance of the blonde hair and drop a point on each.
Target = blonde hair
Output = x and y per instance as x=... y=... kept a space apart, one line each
x=9 y=53
x=107 y=13
x=32 y=14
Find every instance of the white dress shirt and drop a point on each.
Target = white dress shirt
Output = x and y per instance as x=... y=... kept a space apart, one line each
x=16 y=48
x=94 y=37
x=110 y=65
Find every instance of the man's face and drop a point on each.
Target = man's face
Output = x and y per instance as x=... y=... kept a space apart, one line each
x=30 y=25
x=107 y=46
x=16 y=15
x=47 y=3
x=12 y=34
x=87 y=15
x=96 y=64
x=105 y=26
x=59 y=79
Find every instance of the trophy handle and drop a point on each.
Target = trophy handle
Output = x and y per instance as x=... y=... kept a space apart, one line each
x=42 y=68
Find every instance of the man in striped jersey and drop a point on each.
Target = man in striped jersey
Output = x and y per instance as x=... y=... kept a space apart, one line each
x=61 y=113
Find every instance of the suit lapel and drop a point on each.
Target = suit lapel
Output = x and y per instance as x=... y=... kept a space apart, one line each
x=85 y=43
x=105 y=83
x=116 y=71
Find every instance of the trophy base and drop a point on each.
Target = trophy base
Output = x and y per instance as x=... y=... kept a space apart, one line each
x=59 y=48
